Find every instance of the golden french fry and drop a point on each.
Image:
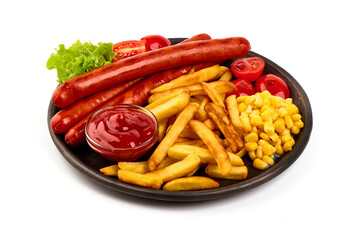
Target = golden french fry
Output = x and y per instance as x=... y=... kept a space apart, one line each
x=217 y=150
x=179 y=151
x=219 y=116
x=201 y=114
x=166 y=162
x=139 y=179
x=178 y=169
x=227 y=76
x=210 y=124
x=196 y=89
x=213 y=95
x=171 y=107
x=164 y=99
x=181 y=121
x=203 y=75
x=138 y=167
x=236 y=173
x=234 y=114
x=188 y=133
x=191 y=183
x=162 y=129
x=110 y=170
x=195 y=142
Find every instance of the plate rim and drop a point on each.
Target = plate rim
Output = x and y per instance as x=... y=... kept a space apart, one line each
x=199 y=195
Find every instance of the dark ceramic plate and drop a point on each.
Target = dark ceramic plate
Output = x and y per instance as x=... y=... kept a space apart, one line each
x=89 y=162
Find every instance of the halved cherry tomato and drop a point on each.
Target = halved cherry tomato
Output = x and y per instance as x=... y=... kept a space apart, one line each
x=153 y=42
x=248 y=68
x=274 y=84
x=243 y=88
x=129 y=48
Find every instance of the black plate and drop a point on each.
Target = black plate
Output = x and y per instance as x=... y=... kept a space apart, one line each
x=89 y=162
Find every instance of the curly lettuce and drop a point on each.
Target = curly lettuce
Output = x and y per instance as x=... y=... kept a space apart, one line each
x=79 y=58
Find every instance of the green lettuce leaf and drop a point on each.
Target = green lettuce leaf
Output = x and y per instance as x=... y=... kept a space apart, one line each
x=79 y=58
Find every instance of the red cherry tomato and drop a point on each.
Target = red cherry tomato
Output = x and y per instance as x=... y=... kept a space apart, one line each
x=128 y=48
x=248 y=68
x=274 y=84
x=153 y=42
x=243 y=88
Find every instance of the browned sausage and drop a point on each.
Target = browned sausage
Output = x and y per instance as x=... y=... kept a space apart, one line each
x=148 y=63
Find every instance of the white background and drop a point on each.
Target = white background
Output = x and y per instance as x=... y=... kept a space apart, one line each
x=44 y=197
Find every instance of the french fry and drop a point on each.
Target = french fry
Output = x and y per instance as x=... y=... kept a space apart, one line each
x=171 y=107
x=164 y=99
x=110 y=170
x=234 y=115
x=182 y=120
x=210 y=124
x=196 y=89
x=179 y=151
x=213 y=95
x=162 y=129
x=178 y=169
x=167 y=162
x=197 y=142
x=203 y=75
x=217 y=150
x=222 y=121
x=201 y=114
x=138 y=167
x=139 y=179
x=191 y=183
x=236 y=173
x=227 y=76
x=188 y=133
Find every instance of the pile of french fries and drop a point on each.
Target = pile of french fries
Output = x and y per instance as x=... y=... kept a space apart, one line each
x=198 y=128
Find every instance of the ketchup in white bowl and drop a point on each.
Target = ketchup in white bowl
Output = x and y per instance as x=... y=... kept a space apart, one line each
x=122 y=132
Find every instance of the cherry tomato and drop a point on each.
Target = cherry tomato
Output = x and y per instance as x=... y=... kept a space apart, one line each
x=274 y=84
x=128 y=48
x=248 y=68
x=243 y=88
x=153 y=42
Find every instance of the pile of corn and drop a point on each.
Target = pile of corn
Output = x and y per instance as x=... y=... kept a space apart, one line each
x=268 y=125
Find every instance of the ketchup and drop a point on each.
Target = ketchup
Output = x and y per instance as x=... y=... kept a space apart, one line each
x=122 y=131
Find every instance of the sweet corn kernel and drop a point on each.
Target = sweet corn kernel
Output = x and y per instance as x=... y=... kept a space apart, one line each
x=289 y=100
x=254 y=112
x=242 y=153
x=259 y=164
x=252 y=155
x=296 y=109
x=282 y=112
x=288 y=146
x=255 y=120
x=267 y=108
x=265 y=94
x=258 y=100
x=266 y=116
x=268 y=149
x=279 y=149
x=276 y=101
x=286 y=138
x=286 y=131
x=269 y=160
x=267 y=102
x=289 y=122
x=241 y=99
x=264 y=136
x=259 y=152
x=295 y=130
x=246 y=123
x=251 y=146
x=296 y=117
x=261 y=142
x=274 y=116
x=299 y=124
x=279 y=125
x=242 y=107
x=250 y=99
x=274 y=137
x=269 y=127
x=251 y=137
x=290 y=109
